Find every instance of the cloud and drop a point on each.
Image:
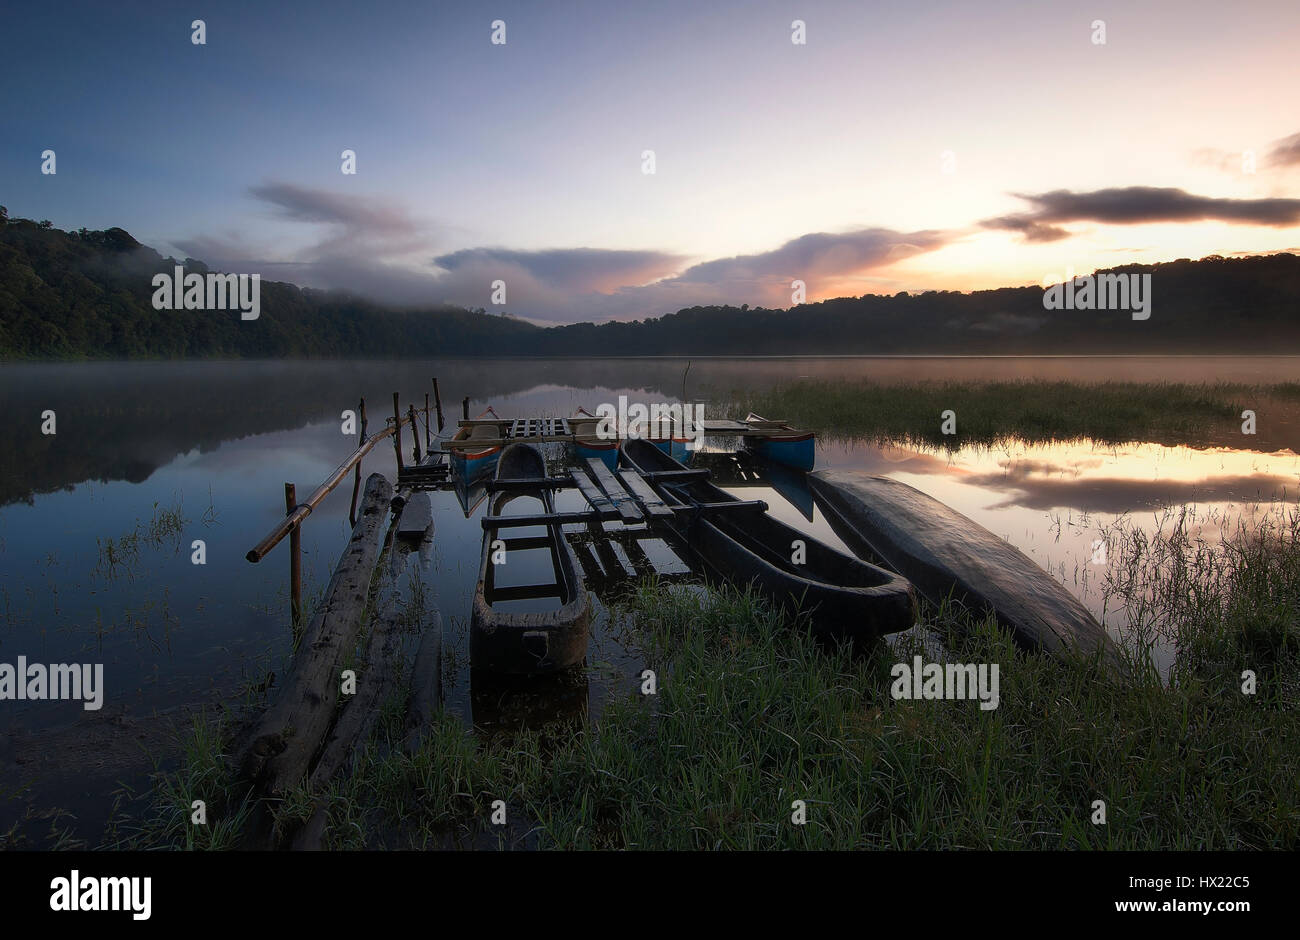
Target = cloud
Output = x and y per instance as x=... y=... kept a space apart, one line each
x=580 y=269
x=1135 y=205
x=1118 y=495
x=379 y=250
x=817 y=255
x=353 y=212
x=1026 y=226
x=1285 y=152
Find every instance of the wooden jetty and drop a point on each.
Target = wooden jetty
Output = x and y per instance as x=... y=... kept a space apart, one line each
x=310 y=732
x=571 y=430
x=948 y=556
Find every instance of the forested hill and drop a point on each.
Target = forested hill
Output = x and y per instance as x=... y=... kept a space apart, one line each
x=87 y=294
x=72 y=295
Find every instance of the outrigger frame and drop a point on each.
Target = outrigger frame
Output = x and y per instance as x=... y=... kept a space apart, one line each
x=609 y=498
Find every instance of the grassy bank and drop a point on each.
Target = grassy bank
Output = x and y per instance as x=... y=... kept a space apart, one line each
x=750 y=715
x=1032 y=411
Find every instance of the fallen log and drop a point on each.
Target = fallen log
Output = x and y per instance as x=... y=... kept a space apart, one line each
x=945 y=554
x=352 y=729
x=376 y=678
x=280 y=745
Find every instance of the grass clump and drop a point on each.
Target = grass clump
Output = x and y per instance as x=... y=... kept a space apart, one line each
x=1033 y=411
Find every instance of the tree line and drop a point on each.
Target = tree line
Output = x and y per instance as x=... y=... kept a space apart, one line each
x=87 y=295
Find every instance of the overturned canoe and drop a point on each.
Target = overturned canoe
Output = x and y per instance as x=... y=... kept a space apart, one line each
x=945 y=554
x=847 y=598
x=528 y=642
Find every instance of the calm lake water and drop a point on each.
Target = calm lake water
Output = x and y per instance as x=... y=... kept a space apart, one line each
x=217 y=441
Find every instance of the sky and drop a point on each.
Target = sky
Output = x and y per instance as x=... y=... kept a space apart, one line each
x=902 y=146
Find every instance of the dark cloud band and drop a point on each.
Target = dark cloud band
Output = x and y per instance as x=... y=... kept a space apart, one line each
x=1135 y=205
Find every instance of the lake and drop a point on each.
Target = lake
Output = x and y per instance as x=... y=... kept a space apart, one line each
x=92 y=570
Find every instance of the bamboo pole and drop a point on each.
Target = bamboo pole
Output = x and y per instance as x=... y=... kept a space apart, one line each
x=295 y=558
x=273 y=538
x=356 y=480
x=428 y=444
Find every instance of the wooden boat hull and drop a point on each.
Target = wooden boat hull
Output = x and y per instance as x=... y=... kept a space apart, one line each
x=471 y=464
x=949 y=556
x=587 y=444
x=792 y=448
x=845 y=598
x=534 y=642
x=674 y=447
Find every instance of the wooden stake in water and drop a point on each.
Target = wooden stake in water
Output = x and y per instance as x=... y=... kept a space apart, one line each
x=415 y=436
x=437 y=401
x=295 y=558
x=397 y=430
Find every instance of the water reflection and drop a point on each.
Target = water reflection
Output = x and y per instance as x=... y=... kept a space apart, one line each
x=218 y=441
x=124 y=421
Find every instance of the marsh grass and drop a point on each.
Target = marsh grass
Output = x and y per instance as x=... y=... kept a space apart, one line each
x=203 y=775
x=121 y=556
x=1225 y=589
x=752 y=714
x=996 y=413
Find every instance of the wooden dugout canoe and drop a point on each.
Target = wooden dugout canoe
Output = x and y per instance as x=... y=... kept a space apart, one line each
x=528 y=642
x=847 y=598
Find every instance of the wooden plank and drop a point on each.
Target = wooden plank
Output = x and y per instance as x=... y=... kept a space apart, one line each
x=480 y=443
x=739 y=505
x=417 y=517
x=591 y=492
x=527 y=544
x=544 y=518
x=642 y=491
x=947 y=555
x=525 y=483
x=655 y=476
x=623 y=502
x=525 y=592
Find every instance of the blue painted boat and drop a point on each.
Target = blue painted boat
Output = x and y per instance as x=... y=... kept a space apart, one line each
x=587 y=444
x=474 y=463
x=785 y=445
x=674 y=447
